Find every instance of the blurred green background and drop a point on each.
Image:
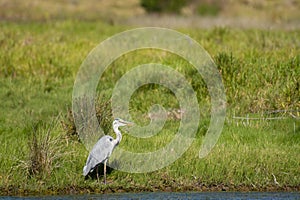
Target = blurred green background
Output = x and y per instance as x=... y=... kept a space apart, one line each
x=171 y=13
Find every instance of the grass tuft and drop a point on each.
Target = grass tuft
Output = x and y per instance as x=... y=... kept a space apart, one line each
x=46 y=151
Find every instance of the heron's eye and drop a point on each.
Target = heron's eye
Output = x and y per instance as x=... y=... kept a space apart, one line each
x=110 y=139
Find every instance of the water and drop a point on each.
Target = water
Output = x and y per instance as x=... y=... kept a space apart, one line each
x=172 y=195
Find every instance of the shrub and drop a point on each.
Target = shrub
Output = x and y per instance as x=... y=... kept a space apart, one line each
x=167 y=6
x=208 y=9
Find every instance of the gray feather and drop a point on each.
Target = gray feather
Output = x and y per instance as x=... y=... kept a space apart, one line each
x=100 y=152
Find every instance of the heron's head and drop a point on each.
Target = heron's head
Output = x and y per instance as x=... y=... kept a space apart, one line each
x=120 y=122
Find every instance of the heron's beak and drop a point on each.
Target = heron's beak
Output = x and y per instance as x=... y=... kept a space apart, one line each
x=129 y=123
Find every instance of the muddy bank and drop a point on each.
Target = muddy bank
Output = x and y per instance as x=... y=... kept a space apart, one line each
x=104 y=189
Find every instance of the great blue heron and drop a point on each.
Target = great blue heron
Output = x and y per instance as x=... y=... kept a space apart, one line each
x=103 y=149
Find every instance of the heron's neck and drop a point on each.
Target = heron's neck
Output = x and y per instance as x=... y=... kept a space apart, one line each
x=119 y=135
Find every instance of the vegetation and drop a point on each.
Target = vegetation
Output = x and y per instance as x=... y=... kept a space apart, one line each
x=40 y=152
x=209 y=9
x=168 y=6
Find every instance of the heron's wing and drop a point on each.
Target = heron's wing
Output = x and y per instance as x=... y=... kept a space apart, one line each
x=100 y=152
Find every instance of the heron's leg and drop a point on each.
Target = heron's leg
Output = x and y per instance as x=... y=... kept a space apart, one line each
x=97 y=173
x=105 y=172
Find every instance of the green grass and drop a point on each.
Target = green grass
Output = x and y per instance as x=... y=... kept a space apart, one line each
x=38 y=65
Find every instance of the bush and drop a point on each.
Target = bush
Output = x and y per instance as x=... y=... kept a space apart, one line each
x=166 y=6
x=208 y=9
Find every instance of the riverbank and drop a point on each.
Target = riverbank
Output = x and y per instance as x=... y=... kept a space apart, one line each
x=74 y=190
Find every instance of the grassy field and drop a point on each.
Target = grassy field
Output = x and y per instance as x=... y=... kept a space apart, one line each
x=38 y=65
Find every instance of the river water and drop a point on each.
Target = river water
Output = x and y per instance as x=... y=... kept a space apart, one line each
x=170 y=195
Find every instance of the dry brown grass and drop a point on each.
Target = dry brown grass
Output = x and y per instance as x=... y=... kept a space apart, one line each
x=246 y=13
x=18 y=10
